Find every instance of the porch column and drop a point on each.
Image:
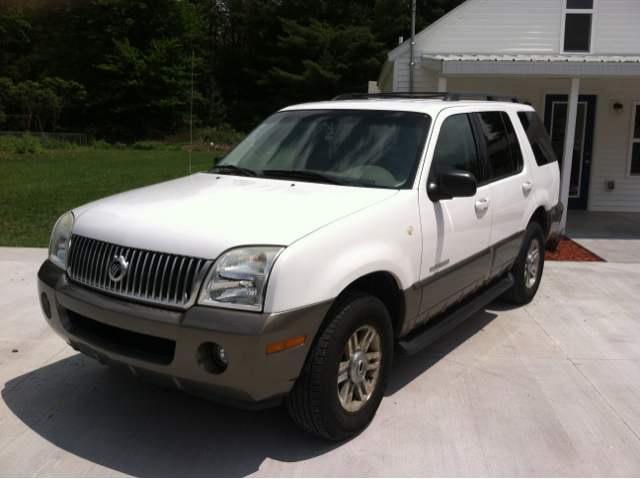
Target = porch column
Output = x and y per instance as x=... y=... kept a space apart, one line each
x=569 y=139
x=442 y=85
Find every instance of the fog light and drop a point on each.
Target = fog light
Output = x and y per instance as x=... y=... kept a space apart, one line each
x=46 y=307
x=219 y=356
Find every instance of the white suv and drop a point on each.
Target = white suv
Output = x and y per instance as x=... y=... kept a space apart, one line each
x=333 y=234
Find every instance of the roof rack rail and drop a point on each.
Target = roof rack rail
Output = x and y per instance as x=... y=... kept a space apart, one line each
x=448 y=96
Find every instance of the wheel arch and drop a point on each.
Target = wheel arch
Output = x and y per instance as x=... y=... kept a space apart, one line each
x=384 y=286
x=540 y=216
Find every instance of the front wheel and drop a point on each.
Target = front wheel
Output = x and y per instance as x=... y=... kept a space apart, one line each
x=343 y=380
x=527 y=269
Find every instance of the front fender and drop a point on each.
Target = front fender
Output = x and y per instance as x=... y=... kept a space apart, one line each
x=384 y=237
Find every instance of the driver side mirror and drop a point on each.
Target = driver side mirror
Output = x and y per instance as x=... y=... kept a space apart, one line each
x=452 y=184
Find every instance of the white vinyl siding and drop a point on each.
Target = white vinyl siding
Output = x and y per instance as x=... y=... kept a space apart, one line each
x=423 y=78
x=502 y=27
x=617 y=30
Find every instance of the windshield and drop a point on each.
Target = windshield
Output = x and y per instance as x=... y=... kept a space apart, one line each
x=352 y=147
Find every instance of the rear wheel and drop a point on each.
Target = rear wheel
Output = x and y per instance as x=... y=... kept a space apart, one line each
x=346 y=373
x=527 y=269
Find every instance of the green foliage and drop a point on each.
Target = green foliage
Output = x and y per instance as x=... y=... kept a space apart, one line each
x=121 y=69
x=39 y=102
x=27 y=144
x=143 y=145
x=101 y=145
x=333 y=60
x=14 y=33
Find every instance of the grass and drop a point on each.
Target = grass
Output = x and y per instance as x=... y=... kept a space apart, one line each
x=36 y=188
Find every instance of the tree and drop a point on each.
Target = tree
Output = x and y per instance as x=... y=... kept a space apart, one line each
x=325 y=60
x=14 y=35
x=61 y=92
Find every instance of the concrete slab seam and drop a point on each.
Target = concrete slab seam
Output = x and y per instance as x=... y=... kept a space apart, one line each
x=603 y=398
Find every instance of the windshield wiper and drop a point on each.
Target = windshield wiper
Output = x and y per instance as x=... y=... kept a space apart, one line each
x=237 y=169
x=303 y=174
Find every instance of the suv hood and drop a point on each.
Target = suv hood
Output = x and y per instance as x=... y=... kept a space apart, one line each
x=203 y=215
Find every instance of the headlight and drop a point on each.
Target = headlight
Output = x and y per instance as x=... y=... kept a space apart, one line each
x=239 y=277
x=59 y=244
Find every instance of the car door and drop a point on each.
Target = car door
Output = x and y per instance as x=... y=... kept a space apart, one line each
x=456 y=232
x=511 y=183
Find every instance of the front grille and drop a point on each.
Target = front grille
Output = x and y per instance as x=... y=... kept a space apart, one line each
x=151 y=277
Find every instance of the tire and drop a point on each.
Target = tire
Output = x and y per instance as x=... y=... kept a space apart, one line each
x=527 y=270
x=314 y=403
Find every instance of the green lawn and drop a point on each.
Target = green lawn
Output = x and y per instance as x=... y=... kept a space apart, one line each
x=35 y=189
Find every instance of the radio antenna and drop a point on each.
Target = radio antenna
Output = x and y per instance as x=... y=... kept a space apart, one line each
x=191 y=120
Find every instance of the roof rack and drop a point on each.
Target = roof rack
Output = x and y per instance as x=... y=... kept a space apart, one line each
x=426 y=95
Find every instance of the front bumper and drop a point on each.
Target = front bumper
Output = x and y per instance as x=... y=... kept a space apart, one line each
x=172 y=348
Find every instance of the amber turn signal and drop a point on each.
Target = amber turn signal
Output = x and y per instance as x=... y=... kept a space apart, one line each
x=287 y=344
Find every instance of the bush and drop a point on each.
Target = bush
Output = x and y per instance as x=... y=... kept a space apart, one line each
x=101 y=145
x=144 y=145
x=26 y=144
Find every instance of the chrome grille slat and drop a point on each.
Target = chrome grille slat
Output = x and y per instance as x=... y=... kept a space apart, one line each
x=146 y=257
x=94 y=276
x=86 y=258
x=173 y=268
x=83 y=249
x=175 y=294
x=131 y=266
x=186 y=281
x=91 y=260
x=146 y=291
x=156 y=278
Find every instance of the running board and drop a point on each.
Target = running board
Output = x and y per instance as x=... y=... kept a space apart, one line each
x=427 y=334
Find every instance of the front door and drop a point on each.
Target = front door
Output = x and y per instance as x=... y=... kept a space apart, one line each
x=555 y=120
x=455 y=232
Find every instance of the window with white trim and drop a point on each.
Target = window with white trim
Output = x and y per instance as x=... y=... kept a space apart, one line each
x=634 y=147
x=577 y=26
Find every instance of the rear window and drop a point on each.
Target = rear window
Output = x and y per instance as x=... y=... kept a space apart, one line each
x=538 y=137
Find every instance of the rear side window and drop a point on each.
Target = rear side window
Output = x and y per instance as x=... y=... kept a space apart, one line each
x=538 y=137
x=514 y=144
x=456 y=148
x=498 y=145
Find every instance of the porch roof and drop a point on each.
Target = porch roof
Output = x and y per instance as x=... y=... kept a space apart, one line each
x=564 y=65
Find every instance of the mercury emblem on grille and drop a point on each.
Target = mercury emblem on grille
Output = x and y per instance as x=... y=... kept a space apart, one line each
x=118 y=268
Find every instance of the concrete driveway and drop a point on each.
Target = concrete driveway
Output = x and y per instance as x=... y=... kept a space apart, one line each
x=551 y=389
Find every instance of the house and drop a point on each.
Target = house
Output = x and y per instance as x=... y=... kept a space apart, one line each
x=577 y=62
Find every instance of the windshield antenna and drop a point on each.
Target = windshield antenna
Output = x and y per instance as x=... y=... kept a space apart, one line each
x=191 y=120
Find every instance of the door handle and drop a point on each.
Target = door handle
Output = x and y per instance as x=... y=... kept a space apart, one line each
x=526 y=187
x=482 y=204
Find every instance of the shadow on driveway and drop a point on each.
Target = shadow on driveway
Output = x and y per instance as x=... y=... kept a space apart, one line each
x=145 y=430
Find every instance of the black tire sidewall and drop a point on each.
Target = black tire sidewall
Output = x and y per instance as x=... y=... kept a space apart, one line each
x=366 y=311
x=534 y=231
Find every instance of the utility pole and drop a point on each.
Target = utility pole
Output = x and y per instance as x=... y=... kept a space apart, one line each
x=413 y=43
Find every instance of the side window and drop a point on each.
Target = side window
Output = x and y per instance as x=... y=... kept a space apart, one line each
x=497 y=143
x=538 y=137
x=514 y=144
x=456 y=148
